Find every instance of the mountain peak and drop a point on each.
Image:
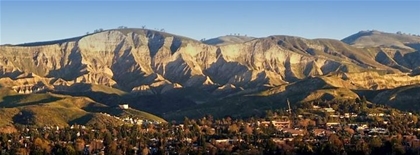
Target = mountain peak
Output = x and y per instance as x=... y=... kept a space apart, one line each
x=375 y=38
x=228 y=39
x=125 y=31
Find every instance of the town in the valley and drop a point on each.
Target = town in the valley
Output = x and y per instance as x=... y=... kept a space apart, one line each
x=333 y=127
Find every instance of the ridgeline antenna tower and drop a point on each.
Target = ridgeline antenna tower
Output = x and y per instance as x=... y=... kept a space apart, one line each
x=290 y=109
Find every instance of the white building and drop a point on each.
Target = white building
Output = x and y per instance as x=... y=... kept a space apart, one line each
x=124 y=106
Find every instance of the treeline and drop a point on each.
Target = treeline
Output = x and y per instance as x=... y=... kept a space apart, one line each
x=124 y=27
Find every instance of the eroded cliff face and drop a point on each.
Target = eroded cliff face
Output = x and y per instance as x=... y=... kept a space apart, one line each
x=150 y=62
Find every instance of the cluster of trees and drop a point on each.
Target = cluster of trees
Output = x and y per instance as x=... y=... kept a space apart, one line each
x=401 y=33
x=122 y=27
x=98 y=30
x=237 y=34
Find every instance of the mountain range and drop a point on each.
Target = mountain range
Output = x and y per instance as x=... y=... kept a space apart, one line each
x=174 y=76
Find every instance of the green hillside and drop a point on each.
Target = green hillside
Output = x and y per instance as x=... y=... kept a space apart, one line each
x=53 y=109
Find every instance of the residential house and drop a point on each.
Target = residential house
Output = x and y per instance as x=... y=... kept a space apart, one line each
x=294 y=132
x=124 y=106
x=281 y=124
x=329 y=110
x=332 y=124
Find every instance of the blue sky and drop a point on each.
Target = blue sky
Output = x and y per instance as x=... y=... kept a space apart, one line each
x=29 y=21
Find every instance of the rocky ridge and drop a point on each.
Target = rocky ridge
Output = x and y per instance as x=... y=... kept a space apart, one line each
x=146 y=62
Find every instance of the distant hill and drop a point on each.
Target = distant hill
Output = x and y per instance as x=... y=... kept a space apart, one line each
x=229 y=39
x=382 y=39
